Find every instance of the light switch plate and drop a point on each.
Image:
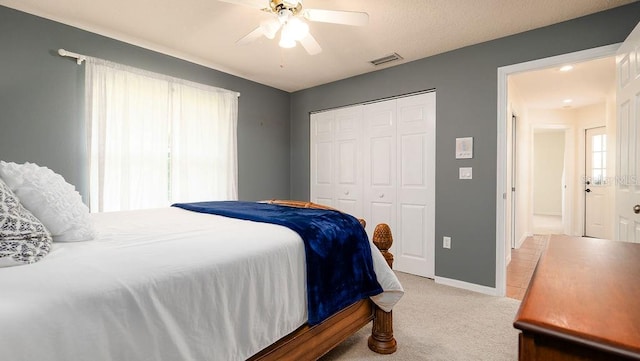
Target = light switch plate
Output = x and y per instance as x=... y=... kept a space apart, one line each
x=466 y=173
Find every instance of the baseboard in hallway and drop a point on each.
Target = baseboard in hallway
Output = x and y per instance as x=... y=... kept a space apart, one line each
x=523 y=262
x=547 y=224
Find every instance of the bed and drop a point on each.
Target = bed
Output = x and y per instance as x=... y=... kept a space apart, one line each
x=171 y=284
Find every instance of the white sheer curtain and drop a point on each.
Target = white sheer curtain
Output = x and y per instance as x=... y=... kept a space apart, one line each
x=154 y=140
x=203 y=156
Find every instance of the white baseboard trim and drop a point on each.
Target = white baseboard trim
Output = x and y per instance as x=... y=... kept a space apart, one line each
x=522 y=239
x=492 y=291
x=508 y=259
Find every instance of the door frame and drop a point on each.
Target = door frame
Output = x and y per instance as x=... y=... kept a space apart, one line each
x=502 y=195
x=511 y=234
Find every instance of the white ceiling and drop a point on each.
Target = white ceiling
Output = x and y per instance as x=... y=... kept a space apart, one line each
x=205 y=31
x=586 y=84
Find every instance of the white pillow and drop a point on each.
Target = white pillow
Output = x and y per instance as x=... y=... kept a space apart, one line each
x=53 y=201
x=23 y=238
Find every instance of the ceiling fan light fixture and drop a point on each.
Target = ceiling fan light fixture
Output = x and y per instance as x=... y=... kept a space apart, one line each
x=291 y=21
x=296 y=29
x=286 y=41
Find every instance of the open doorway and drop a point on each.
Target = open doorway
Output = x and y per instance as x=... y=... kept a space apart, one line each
x=548 y=181
x=556 y=108
x=559 y=161
x=568 y=114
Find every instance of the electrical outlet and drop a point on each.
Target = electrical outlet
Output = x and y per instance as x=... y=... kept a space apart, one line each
x=446 y=242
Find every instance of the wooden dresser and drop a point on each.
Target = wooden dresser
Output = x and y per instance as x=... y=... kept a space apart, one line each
x=583 y=302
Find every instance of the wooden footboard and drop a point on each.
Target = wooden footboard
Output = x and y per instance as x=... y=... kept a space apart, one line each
x=311 y=342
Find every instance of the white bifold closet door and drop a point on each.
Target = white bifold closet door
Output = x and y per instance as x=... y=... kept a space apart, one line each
x=390 y=176
x=336 y=159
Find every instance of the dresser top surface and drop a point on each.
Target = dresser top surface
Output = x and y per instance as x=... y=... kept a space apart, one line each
x=586 y=290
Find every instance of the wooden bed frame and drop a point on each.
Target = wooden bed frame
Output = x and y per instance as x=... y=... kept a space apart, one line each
x=311 y=342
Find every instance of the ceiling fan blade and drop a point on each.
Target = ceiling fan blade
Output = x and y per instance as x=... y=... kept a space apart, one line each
x=257 y=4
x=252 y=36
x=310 y=44
x=354 y=18
x=270 y=27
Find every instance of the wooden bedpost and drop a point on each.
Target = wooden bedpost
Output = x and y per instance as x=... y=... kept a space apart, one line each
x=381 y=339
x=311 y=342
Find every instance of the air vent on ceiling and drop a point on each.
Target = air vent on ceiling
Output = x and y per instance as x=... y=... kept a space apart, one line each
x=386 y=59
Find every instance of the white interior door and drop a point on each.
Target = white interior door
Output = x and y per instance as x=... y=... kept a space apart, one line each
x=628 y=150
x=377 y=162
x=348 y=161
x=415 y=232
x=336 y=159
x=595 y=197
x=380 y=165
x=322 y=155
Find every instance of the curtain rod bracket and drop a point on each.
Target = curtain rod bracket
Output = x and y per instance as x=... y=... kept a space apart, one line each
x=79 y=58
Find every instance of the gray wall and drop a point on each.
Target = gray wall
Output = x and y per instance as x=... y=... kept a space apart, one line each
x=41 y=101
x=466 y=84
x=41 y=115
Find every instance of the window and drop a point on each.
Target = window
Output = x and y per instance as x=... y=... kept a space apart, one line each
x=155 y=140
x=599 y=159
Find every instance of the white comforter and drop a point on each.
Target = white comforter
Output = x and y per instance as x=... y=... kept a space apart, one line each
x=163 y=284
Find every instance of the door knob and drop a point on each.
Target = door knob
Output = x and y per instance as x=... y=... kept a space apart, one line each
x=346 y=193
x=587 y=190
x=636 y=209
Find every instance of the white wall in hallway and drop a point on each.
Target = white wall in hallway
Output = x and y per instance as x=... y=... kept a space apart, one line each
x=548 y=176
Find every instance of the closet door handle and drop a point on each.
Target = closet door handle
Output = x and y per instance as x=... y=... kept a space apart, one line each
x=346 y=193
x=381 y=195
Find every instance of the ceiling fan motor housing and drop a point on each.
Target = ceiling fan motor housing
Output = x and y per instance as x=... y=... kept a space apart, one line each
x=291 y=5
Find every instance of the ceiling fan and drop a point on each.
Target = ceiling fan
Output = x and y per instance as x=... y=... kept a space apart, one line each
x=289 y=20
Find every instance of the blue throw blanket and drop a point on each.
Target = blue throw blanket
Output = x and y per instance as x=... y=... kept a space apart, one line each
x=338 y=255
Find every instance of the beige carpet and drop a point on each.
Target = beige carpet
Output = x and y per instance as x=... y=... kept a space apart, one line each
x=436 y=322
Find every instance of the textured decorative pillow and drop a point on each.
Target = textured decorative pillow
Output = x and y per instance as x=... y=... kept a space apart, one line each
x=23 y=238
x=51 y=199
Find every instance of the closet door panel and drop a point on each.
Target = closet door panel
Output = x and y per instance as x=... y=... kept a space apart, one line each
x=348 y=160
x=377 y=161
x=410 y=216
x=348 y=183
x=322 y=155
x=412 y=150
x=380 y=164
x=416 y=185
